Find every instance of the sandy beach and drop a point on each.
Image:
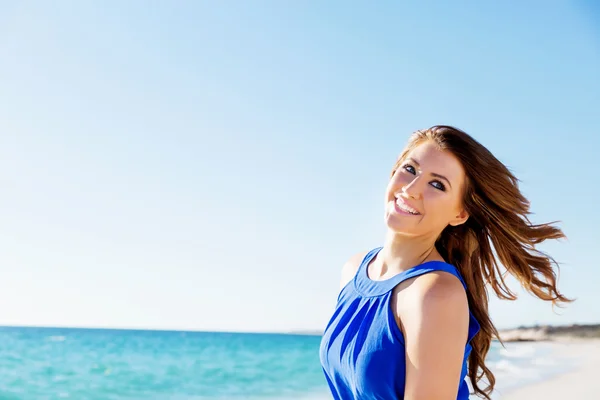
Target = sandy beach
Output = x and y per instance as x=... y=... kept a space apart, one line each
x=580 y=383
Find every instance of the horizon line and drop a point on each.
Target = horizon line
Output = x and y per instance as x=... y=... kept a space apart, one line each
x=306 y=332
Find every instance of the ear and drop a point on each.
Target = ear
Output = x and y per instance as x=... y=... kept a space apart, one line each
x=460 y=218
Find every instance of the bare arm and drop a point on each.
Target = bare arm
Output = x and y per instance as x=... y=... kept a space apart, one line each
x=435 y=323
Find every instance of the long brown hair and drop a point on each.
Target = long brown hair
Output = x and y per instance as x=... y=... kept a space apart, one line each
x=498 y=231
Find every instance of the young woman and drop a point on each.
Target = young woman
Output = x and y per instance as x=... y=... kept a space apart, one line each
x=412 y=319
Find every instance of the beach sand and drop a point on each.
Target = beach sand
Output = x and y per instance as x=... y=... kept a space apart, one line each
x=580 y=383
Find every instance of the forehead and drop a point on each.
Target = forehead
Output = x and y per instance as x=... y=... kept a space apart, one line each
x=432 y=159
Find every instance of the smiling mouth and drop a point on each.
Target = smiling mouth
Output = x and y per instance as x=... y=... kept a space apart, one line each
x=405 y=207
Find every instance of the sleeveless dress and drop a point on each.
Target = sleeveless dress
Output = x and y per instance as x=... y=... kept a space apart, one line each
x=362 y=349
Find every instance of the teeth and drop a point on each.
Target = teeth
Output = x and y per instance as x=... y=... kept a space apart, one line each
x=407 y=208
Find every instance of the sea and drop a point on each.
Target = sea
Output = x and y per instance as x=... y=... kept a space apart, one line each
x=104 y=364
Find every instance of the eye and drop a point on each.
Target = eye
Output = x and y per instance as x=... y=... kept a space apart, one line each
x=438 y=185
x=409 y=168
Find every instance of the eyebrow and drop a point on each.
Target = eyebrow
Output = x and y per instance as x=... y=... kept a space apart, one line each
x=432 y=173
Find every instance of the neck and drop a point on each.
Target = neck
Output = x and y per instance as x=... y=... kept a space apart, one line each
x=400 y=252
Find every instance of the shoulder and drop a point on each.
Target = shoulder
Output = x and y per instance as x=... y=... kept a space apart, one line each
x=351 y=266
x=434 y=293
x=438 y=285
x=434 y=307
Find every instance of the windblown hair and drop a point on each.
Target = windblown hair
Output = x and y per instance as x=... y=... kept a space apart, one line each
x=498 y=231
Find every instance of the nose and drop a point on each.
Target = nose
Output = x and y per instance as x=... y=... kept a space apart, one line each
x=412 y=189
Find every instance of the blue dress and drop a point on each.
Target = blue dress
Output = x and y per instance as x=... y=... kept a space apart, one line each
x=362 y=350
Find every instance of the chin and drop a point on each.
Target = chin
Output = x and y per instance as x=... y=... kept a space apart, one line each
x=398 y=226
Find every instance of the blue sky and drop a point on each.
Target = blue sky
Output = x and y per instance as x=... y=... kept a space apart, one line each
x=211 y=165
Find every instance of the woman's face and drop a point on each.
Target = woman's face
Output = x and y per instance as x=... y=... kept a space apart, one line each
x=425 y=193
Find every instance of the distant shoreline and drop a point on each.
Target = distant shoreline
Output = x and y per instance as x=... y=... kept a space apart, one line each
x=534 y=333
x=538 y=333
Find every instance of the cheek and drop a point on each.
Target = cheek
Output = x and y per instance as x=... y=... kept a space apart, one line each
x=388 y=189
x=394 y=183
x=439 y=206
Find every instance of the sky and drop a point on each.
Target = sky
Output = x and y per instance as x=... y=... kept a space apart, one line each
x=212 y=165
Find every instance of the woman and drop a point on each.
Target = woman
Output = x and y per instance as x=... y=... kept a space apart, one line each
x=412 y=319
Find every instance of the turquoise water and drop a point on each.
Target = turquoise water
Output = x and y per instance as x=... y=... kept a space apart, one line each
x=42 y=363
x=53 y=363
